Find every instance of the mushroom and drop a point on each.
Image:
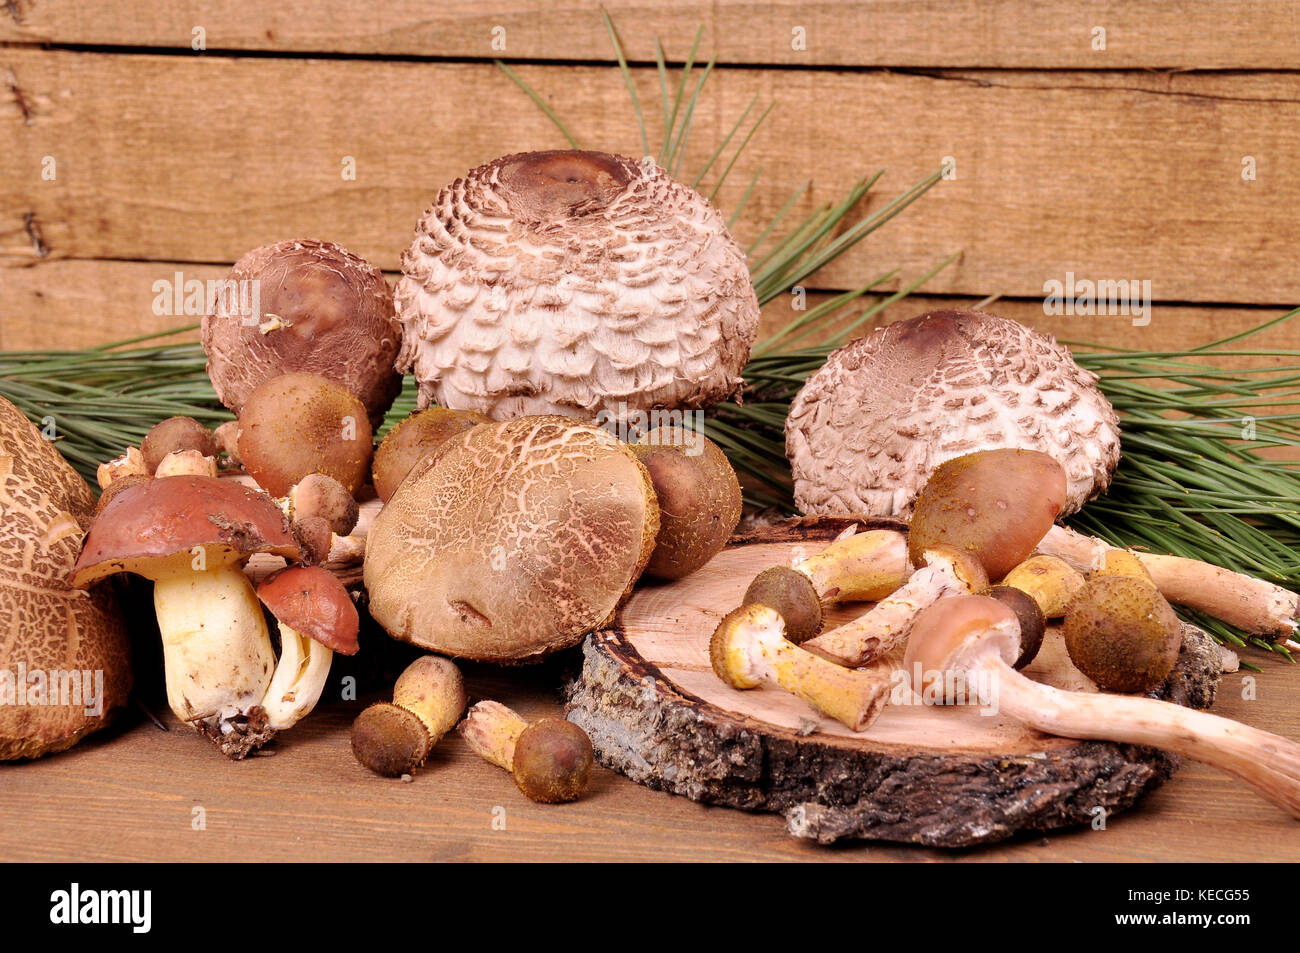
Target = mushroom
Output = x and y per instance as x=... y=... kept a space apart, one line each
x=226 y=437
x=320 y=544
x=128 y=464
x=1052 y=583
x=1029 y=616
x=191 y=535
x=967 y=638
x=298 y=424
x=316 y=618
x=868 y=429
x=309 y=306
x=1254 y=605
x=65 y=655
x=186 y=463
x=976 y=518
x=394 y=738
x=319 y=495
x=574 y=283
x=550 y=759
x=175 y=434
x=749 y=649
x=699 y=499
x=1122 y=634
x=413 y=439
x=514 y=541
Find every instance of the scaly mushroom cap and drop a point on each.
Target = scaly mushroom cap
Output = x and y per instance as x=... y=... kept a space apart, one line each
x=513 y=540
x=868 y=429
x=323 y=310
x=414 y=438
x=574 y=283
x=313 y=603
x=48 y=625
x=171 y=516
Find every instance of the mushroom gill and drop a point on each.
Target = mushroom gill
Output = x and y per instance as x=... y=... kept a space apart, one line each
x=573 y=283
x=868 y=429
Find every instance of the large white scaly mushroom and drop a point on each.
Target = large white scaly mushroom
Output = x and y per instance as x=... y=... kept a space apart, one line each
x=574 y=283
x=868 y=429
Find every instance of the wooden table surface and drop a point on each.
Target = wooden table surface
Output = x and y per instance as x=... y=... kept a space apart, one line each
x=133 y=793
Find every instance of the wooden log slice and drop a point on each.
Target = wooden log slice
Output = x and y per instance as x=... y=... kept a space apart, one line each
x=949 y=777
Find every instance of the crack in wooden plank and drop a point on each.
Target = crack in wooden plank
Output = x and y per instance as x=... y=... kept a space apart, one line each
x=12 y=7
x=33 y=230
x=19 y=97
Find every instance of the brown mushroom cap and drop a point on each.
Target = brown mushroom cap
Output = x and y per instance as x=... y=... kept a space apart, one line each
x=169 y=517
x=947 y=631
x=323 y=310
x=413 y=439
x=298 y=424
x=313 y=603
x=574 y=283
x=1032 y=624
x=513 y=540
x=552 y=761
x=173 y=434
x=868 y=429
x=793 y=595
x=390 y=740
x=1122 y=633
x=48 y=626
x=319 y=495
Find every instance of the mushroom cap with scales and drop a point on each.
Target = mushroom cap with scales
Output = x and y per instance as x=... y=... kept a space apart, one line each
x=868 y=429
x=573 y=283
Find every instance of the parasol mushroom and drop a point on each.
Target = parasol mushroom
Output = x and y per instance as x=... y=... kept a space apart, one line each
x=514 y=540
x=973 y=636
x=318 y=309
x=868 y=429
x=316 y=618
x=574 y=283
x=191 y=535
x=550 y=760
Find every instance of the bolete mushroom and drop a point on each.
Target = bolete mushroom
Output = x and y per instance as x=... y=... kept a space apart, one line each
x=574 y=283
x=394 y=738
x=867 y=430
x=173 y=435
x=974 y=636
x=1122 y=634
x=516 y=539
x=309 y=306
x=1052 y=583
x=65 y=656
x=699 y=499
x=414 y=438
x=298 y=424
x=316 y=618
x=550 y=760
x=191 y=535
x=319 y=495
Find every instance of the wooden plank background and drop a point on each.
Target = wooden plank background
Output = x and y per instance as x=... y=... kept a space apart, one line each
x=1117 y=163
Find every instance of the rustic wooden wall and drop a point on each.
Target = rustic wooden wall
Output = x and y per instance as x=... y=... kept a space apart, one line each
x=1117 y=163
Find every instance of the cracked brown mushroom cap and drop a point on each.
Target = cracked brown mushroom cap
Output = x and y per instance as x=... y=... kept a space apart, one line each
x=191 y=535
x=413 y=439
x=868 y=429
x=298 y=424
x=322 y=310
x=574 y=283
x=974 y=638
x=515 y=540
x=47 y=624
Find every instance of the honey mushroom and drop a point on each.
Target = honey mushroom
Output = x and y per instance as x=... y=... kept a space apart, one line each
x=550 y=759
x=959 y=639
x=394 y=738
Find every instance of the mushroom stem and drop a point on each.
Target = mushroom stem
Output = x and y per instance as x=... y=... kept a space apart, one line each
x=216 y=652
x=298 y=679
x=1051 y=581
x=1254 y=605
x=749 y=649
x=1268 y=762
x=491 y=730
x=864 y=567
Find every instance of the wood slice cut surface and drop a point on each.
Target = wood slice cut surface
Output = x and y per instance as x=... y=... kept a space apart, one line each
x=950 y=776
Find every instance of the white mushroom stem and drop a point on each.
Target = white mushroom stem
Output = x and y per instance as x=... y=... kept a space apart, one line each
x=183 y=462
x=1250 y=604
x=1268 y=762
x=861 y=567
x=349 y=550
x=130 y=463
x=298 y=680
x=216 y=650
x=885 y=626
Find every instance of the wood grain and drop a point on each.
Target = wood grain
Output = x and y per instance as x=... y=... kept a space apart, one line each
x=1198 y=34
x=1114 y=175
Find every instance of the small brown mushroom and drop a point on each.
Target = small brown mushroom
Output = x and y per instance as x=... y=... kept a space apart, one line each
x=974 y=637
x=1033 y=625
x=320 y=544
x=303 y=306
x=395 y=738
x=412 y=440
x=299 y=424
x=1122 y=634
x=319 y=495
x=174 y=434
x=867 y=430
x=550 y=759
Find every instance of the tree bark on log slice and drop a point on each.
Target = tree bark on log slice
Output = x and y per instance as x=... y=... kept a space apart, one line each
x=948 y=777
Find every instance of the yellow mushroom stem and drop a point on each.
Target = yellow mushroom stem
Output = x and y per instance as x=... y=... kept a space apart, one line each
x=1254 y=605
x=885 y=626
x=863 y=567
x=749 y=649
x=1050 y=581
x=298 y=680
x=432 y=689
x=491 y=730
